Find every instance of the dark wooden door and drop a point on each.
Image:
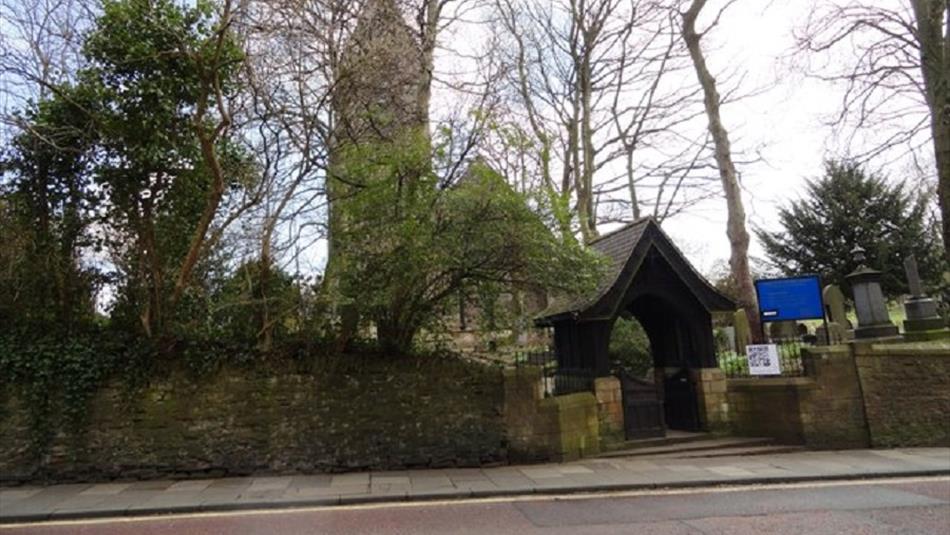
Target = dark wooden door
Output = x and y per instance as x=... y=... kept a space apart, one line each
x=642 y=409
x=680 y=402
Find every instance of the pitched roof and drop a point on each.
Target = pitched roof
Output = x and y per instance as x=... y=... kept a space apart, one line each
x=625 y=249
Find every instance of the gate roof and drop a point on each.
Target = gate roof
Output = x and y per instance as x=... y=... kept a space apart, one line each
x=625 y=250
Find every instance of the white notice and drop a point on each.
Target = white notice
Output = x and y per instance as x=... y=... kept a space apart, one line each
x=763 y=360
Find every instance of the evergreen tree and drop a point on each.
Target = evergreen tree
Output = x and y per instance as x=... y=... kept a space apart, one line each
x=850 y=207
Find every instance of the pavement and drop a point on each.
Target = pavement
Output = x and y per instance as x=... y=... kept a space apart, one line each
x=903 y=506
x=598 y=475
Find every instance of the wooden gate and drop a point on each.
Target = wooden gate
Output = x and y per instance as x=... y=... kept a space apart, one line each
x=642 y=409
x=680 y=402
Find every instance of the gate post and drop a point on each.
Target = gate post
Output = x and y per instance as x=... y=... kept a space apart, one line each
x=609 y=409
x=713 y=402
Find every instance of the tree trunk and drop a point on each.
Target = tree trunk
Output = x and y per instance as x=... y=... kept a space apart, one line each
x=265 y=336
x=934 y=41
x=212 y=201
x=736 y=229
x=395 y=336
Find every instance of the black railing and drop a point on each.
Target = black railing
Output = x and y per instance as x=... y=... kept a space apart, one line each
x=791 y=364
x=536 y=358
x=560 y=382
x=557 y=381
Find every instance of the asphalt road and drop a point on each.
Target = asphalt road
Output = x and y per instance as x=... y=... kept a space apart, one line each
x=905 y=507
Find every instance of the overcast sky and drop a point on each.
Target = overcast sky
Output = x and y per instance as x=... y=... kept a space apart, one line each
x=784 y=123
x=787 y=121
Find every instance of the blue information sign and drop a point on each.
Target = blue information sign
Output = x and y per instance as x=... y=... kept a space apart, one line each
x=794 y=298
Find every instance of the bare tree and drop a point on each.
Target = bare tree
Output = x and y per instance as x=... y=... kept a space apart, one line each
x=736 y=224
x=40 y=42
x=293 y=51
x=896 y=77
x=596 y=84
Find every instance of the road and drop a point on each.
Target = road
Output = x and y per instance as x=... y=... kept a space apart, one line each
x=905 y=507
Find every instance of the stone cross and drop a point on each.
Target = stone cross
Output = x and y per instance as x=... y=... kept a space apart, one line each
x=913 y=276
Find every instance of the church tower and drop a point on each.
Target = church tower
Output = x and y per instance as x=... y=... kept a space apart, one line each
x=379 y=111
x=378 y=95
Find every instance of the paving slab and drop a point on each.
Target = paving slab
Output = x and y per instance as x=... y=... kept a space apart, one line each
x=23 y=504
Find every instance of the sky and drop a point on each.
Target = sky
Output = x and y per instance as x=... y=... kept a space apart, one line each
x=783 y=124
x=786 y=123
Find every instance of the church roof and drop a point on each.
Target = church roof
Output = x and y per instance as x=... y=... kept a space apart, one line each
x=625 y=249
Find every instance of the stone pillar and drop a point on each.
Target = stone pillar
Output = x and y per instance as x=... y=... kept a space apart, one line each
x=528 y=427
x=609 y=396
x=869 y=303
x=713 y=402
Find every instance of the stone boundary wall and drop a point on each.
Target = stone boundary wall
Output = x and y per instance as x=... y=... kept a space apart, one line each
x=855 y=396
x=824 y=410
x=906 y=392
x=768 y=407
x=833 y=412
x=559 y=428
x=367 y=416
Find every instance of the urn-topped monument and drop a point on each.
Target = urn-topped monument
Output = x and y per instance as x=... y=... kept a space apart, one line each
x=869 y=303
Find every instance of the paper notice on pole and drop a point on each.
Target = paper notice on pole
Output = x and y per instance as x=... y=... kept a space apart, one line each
x=763 y=360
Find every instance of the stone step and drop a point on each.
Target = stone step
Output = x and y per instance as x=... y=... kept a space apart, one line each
x=702 y=444
x=671 y=438
x=726 y=452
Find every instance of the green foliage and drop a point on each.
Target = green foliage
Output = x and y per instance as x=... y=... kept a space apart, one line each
x=629 y=348
x=151 y=67
x=56 y=374
x=46 y=209
x=733 y=364
x=407 y=247
x=244 y=296
x=849 y=207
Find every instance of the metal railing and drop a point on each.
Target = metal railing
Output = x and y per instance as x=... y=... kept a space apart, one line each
x=543 y=358
x=557 y=381
x=561 y=382
x=791 y=364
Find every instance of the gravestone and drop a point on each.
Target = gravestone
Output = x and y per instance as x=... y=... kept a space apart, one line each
x=743 y=332
x=783 y=330
x=834 y=334
x=873 y=319
x=834 y=305
x=838 y=330
x=921 y=310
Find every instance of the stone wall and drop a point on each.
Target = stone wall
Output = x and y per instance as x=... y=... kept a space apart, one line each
x=768 y=407
x=906 y=393
x=832 y=412
x=557 y=428
x=823 y=410
x=356 y=414
x=529 y=427
x=855 y=396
